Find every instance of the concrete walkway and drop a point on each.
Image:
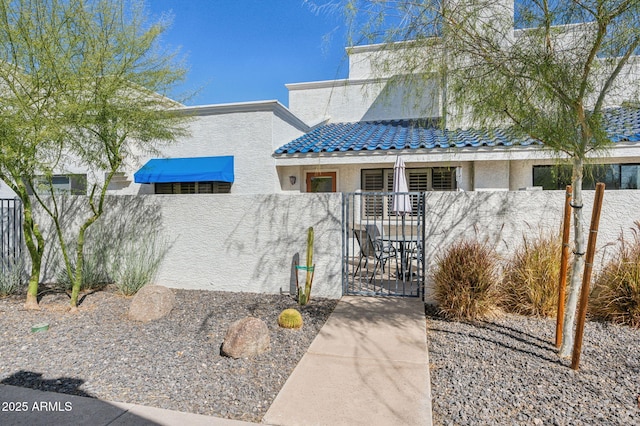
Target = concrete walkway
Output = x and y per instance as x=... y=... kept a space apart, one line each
x=367 y=366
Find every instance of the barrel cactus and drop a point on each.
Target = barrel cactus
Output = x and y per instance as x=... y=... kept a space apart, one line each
x=290 y=318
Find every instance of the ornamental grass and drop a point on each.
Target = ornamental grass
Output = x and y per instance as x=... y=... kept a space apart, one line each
x=466 y=281
x=531 y=276
x=616 y=291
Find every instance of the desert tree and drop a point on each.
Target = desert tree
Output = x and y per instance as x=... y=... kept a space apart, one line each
x=30 y=133
x=106 y=102
x=548 y=70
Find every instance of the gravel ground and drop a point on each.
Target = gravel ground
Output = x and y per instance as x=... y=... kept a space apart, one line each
x=503 y=371
x=172 y=363
x=506 y=371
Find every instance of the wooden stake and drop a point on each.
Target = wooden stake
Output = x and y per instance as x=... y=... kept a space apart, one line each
x=586 y=277
x=564 y=264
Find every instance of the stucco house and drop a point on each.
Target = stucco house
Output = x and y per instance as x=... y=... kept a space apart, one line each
x=368 y=123
x=344 y=136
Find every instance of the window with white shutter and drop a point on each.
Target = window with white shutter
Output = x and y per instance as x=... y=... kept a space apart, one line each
x=418 y=180
x=373 y=181
x=443 y=179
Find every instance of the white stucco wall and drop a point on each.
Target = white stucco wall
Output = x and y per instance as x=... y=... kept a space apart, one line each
x=520 y=174
x=5 y=191
x=349 y=175
x=491 y=175
x=247 y=243
x=226 y=242
x=250 y=132
x=358 y=100
x=501 y=219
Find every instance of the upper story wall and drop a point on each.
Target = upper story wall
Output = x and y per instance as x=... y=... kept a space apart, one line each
x=250 y=132
x=362 y=100
x=368 y=95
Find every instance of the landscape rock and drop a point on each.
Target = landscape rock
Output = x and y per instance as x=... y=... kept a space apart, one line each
x=245 y=338
x=151 y=302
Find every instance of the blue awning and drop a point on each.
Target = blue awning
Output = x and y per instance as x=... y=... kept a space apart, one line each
x=197 y=169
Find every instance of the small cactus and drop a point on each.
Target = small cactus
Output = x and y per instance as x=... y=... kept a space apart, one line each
x=290 y=318
x=304 y=294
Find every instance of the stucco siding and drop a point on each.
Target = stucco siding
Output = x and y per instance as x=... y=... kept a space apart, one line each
x=249 y=243
x=491 y=175
x=503 y=219
x=221 y=242
x=351 y=101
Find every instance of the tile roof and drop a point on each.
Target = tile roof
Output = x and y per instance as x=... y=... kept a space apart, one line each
x=623 y=124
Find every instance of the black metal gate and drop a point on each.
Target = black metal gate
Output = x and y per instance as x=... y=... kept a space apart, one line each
x=383 y=251
x=11 y=237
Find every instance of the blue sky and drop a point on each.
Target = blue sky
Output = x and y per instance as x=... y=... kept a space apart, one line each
x=246 y=50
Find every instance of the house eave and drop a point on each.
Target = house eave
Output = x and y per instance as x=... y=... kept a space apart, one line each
x=415 y=155
x=435 y=155
x=273 y=106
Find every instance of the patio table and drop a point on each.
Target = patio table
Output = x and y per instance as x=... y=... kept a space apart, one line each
x=404 y=244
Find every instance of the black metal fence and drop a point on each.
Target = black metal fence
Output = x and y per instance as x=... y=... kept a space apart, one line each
x=11 y=236
x=382 y=248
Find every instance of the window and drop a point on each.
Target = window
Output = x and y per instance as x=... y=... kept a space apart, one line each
x=614 y=176
x=418 y=180
x=321 y=182
x=193 y=188
x=443 y=179
x=422 y=179
x=629 y=176
x=74 y=184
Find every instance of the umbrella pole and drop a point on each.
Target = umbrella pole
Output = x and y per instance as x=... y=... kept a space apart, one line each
x=403 y=253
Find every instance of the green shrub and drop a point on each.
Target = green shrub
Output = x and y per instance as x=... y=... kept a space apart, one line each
x=466 y=281
x=531 y=275
x=12 y=276
x=616 y=290
x=137 y=264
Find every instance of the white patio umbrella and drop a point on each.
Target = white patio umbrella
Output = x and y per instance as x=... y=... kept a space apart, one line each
x=401 y=202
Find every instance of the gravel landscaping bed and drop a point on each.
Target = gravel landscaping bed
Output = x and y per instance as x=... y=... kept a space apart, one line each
x=172 y=363
x=506 y=371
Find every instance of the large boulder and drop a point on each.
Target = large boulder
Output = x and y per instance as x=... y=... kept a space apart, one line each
x=151 y=302
x=245 y=338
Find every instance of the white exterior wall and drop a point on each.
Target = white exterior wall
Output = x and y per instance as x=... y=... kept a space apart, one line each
x=502 y=219
x=226 y=242
x=478 y=168
x=376 y=61
x=352 y=101
x=230 y=242
x=246 y=136
x=491 y=175
x=250 y=136
x=520 y=175
x=5 y=191
x=349 y=175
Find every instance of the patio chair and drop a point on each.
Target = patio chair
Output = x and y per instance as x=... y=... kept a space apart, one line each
x=372 y=246
x=417 y=255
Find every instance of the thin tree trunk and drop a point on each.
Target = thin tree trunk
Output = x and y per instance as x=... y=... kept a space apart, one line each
x=35 y=244
x=77 y=279
x=97 y=212
x=578 y=261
